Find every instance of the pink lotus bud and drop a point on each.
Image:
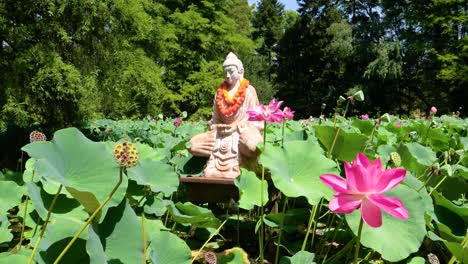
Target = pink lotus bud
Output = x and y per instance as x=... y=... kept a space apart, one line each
x=177 y=122
x=365 y=117
x=433 y=110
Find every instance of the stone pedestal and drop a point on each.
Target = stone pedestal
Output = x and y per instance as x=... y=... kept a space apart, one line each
x=211 y=190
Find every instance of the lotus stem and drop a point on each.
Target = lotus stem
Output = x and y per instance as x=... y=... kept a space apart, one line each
x=445 y=177
x=311 y=219
x=281 y=229
x=49 y=212
x=144 y=236
x=282 y=133
x=358 y=242
x=90 y=218
x=23 y=225
x=208 y=240
x=261 y=234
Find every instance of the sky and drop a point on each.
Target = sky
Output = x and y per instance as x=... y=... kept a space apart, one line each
x=288 y=4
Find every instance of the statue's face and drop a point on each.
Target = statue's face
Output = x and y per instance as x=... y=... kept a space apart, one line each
x=231 y=74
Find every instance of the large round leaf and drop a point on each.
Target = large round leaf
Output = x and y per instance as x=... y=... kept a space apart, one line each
x=396 y=239
x=159 y=176
x=188 y=213
x=249 y=190
x=416 y=157
x=345 y=146
x=166 y=248
x=121 y=234
x=296 y=169
x=85 y=168
x=10 y=196
x=300 y=257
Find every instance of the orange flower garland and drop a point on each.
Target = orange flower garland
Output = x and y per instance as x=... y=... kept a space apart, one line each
x=227 y=105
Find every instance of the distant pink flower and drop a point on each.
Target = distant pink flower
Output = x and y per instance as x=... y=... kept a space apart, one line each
x=270 y=113
x=363 y=187
x=433 y=110
x=365 y=117
x=398 y=124
x=287 y=113
x=177 y=122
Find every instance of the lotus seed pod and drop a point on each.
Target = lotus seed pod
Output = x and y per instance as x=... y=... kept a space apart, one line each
x=37 y=136
x=126 y=154
x=432 y=258
x=396 y=159
x=210 y=258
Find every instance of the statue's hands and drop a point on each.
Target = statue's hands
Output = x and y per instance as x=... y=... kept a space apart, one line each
x=225 y=129
x=202 y=145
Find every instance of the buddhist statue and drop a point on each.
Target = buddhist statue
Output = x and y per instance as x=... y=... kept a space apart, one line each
x=232 y=139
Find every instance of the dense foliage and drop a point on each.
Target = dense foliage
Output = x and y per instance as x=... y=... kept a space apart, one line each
x=149 y=216
x=63 y=63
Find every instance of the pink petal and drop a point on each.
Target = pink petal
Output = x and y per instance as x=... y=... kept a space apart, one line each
x=389 y=179
x=335 y=182
x=274 y=106
x=362 y=160
x=350 y=177
x=377 y=163
x=345 y=203
x=371 y=213
x=363 y=180
x=391 y=205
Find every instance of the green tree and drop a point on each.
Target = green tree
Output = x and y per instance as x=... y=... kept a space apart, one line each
x=312 y=58
x=268 y=28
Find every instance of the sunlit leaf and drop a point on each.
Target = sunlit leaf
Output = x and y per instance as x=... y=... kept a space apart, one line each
x=296 y=176
x=249 y=190
x=396 y=239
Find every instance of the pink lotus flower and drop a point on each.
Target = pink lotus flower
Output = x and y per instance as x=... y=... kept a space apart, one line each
x=270 y=113
x=287 y=113
x=398 y=124
x=363 y=187
x=177 y=122
x=433 y=110
x=365 y=117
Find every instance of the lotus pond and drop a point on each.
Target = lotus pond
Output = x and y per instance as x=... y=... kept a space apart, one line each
x=73 y=203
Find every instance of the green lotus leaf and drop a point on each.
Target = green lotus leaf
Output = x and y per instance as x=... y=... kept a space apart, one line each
x=188 y=213
x=416 y=157
x=119 y=238
x=159 y=176
x=346 y=145
x=85 y=168
x=10 y=197
x=234 y=255
x=383 y=152
x=300 y=257
x=156 y=205
x=19 y=258
x=384 y=136
x=458 y=251
x=438 y=139
x=249 y=189
x=291 y=219
x=165 y=247
x=11 y=194
x=396 y=239
x=454 y=217
x=296 y=167
x=417 y=260
x=365 y=126
x=60 y=229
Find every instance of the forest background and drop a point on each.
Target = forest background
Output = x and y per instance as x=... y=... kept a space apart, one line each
x=66 y=62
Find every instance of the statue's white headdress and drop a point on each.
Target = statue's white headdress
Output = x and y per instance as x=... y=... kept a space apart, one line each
x=231 y=59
